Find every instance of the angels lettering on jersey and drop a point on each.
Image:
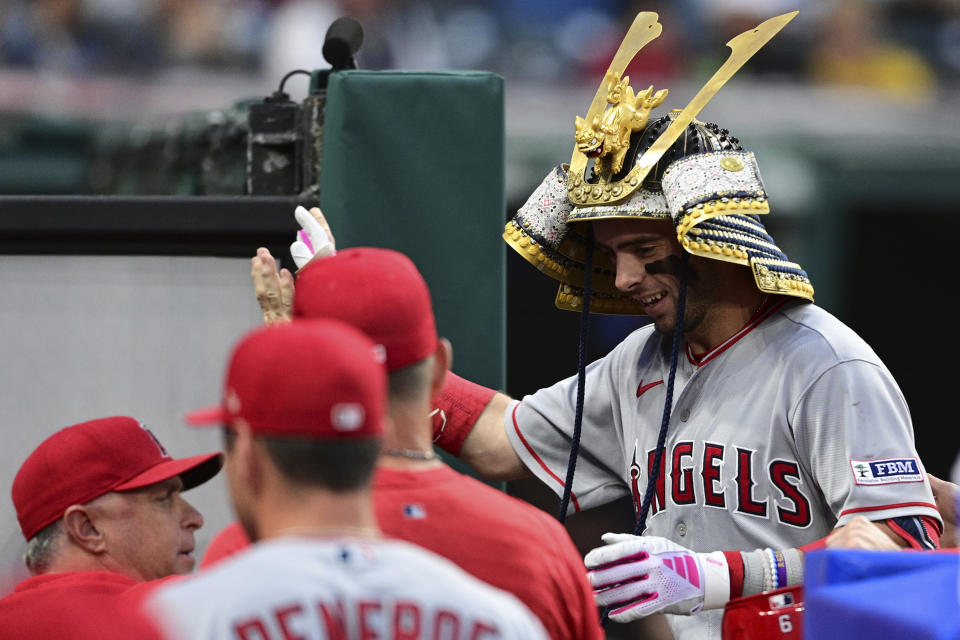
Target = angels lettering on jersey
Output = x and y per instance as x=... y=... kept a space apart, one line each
x=697 y=472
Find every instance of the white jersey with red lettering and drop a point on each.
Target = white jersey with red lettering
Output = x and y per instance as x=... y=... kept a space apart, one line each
x=786 y=430
x=338 y=589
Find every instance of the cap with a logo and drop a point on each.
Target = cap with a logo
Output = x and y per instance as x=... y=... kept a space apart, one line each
x=378 y=291
x=84 y=461
x=318 y=378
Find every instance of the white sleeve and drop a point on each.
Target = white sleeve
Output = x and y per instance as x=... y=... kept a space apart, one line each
x=541 y=426
x=853 y=429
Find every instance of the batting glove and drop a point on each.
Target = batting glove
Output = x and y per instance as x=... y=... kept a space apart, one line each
x=312 y=239
x=639 y=575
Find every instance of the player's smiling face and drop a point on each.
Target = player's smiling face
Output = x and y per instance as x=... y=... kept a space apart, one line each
x=149 y=531
x=647 y=257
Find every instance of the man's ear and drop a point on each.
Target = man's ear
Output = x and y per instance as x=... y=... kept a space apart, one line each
x=442 y=361
x=79 y=523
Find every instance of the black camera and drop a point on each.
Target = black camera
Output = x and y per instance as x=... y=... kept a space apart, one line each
x=285 y=138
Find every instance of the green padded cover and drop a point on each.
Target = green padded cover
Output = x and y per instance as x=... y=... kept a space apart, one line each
x=413 y=161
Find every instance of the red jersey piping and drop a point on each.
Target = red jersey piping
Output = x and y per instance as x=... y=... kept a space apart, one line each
x=888 y=506
x=765 y=311
x=910 y=539
x=516 y=427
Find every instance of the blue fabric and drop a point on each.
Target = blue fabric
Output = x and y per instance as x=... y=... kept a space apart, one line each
x=916 y=529
x=881 y=594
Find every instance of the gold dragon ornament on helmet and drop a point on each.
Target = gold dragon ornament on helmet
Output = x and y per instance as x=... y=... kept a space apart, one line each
x=675 y=167
x=607 y=138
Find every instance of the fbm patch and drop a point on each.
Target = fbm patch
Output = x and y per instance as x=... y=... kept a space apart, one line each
x=886 y=471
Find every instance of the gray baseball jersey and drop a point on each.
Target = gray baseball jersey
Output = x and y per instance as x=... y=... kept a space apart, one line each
x=786 y=430
x=321 y=588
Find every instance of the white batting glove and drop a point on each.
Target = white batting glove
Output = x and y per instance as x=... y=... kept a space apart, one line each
x=639 y=575
x=312 y=239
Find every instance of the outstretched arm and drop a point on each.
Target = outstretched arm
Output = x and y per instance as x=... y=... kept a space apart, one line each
x=636 y=576
x=861 y=533
x=468 y=422
x=487 y=448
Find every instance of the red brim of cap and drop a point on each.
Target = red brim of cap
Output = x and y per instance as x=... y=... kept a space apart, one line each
x=194 y=471
x=207 y=416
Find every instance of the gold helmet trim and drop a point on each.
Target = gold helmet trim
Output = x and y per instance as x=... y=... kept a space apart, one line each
x=602 y=135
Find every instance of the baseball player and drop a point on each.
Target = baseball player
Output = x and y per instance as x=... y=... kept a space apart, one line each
x=303 y=409
x=774 y=424
x=417 y=498
x=100 y=507
x=746 y=422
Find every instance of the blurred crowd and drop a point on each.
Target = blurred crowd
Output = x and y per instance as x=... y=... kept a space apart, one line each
x=900 y=46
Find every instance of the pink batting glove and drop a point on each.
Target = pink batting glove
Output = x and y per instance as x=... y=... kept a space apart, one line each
x=639 y=575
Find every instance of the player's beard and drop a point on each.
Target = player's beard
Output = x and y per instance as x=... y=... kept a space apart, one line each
x=696 y=307
x=692 y=319
x=694 y=312
x=707 y=285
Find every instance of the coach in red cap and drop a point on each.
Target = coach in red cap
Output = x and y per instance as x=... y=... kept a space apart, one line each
x=100 y=507
x=418 y=498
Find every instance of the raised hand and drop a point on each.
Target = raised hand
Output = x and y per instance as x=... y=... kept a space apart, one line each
x=274 y=289
x=314 y=238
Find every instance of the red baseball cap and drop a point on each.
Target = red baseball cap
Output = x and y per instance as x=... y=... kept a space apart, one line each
x=84 y=461
x=319 y=378
x=378 y=291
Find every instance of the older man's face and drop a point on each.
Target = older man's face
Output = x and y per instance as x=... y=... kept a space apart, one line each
x=149 y=531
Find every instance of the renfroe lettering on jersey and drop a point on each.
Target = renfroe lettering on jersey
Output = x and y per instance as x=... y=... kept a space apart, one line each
x=339 y=620
x=779 y=487
x=339 y=588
